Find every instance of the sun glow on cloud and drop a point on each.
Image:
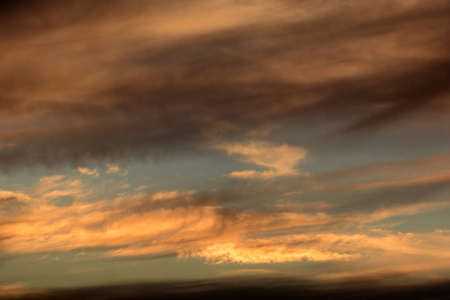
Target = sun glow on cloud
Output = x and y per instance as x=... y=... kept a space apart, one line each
x=280 y=159
x=86 y=171
x=181 y=222
x=16 y=290
x=265 y=253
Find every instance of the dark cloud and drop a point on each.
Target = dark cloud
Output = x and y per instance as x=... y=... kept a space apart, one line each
x=402 y=94
x=397 y=197
x=7 y=200
x=169 y=96
x=259 y=288
x=23 y=18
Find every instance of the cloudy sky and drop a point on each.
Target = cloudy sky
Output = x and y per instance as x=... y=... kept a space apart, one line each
x=145 y=141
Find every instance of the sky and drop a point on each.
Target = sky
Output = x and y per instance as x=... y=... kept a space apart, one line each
x=181 y=141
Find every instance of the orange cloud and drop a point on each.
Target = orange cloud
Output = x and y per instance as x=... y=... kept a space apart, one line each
x=112 y=168
x=258 y=254
x=130 y=222
x=281 y=159
x=173 y=223
x=324 y=247
x=17 y=290
x=86 y=171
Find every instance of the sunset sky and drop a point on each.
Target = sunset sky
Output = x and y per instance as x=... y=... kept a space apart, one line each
x=159 y=141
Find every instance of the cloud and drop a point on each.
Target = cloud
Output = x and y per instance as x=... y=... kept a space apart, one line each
x=7 y=197
x=415 y=181
x=171 y=83
x=381 y=286
x=192 y=224
x=328 y=247
x=252 y=272
x=402 y=171
x=58 y=186
x=251 y=174
x=86 y=171
x=171 y=195
x=141 y=188
x=253 y=252
x=112 y=168
x=17 y=290
x=87 y=84
x=281 y=159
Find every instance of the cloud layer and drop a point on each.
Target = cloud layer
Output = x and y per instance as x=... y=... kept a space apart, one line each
x=196 y=224
x=134 y=80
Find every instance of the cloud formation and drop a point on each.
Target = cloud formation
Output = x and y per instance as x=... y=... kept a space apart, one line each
x=86 y=171
x=280 y=159
x=242 y=134
x=112 y=168
x=136 y=81
x=191 y=224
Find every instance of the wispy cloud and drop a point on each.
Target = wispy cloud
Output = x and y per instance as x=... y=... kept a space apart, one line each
x=112 y=168
x=17 y=290
x=186 y=223
x=281 y=159
x=86 y=171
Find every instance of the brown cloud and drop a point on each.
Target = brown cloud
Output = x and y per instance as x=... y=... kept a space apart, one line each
x=133 y=80
x=371 y=287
